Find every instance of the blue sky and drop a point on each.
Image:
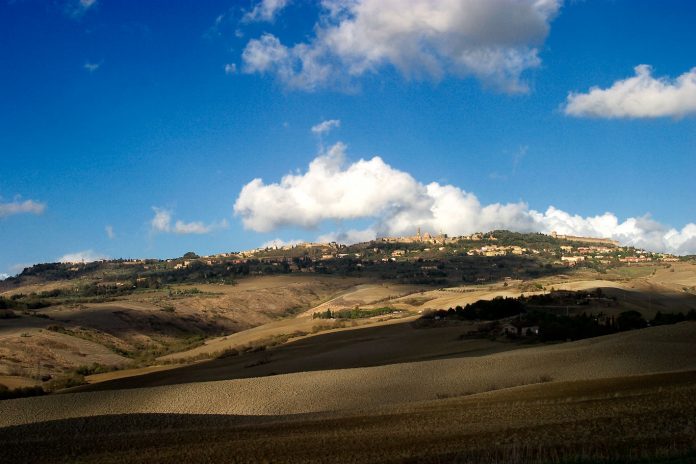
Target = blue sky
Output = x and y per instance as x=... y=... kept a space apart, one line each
x=150 y=119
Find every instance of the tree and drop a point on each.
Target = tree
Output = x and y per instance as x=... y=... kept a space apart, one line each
x=629 y=320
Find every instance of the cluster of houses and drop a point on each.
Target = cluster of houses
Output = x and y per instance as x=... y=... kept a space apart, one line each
x=606 y=255
x=635 y=259
x=496 y=250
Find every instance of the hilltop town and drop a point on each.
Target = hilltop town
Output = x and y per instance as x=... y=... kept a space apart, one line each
x=556 y=249
x=421 y=258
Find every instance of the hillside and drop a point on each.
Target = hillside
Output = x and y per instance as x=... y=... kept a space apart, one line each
x=134 y=329
x=68 y=334
x=417 y=260
x=63 y=322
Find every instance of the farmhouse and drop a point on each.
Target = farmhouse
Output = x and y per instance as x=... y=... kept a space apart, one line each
x=523 y=331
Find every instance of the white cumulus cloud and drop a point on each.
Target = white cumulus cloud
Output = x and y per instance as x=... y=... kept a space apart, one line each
x=91 y=67
x=86 y=256
x=326 y=126
x=162 y=222
x=21 y=207
x=265 y=10
x=492 y=40
x=640 y=96
x=230 y=68
x=333 y=189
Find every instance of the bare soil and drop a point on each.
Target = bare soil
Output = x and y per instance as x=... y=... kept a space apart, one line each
x=627 y=419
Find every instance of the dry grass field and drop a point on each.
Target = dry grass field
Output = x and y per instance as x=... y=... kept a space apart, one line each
x=363 y=295
x=28 y=350
x=149 y=324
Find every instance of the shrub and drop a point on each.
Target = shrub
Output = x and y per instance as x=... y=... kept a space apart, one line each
x=94 y=368
x=7 y=314
x=669 y=318
x=66 y=381
x=629 y=320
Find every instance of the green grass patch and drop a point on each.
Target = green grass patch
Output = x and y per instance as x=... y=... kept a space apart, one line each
x=356 y=313
x=632 y=272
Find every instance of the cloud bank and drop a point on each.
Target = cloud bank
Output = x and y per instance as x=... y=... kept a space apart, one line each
x=162 y=223
x=333 y=189
x=279 y=243
x=86 y=256
x=640 y=96
x=21 y=207
x=492 y=40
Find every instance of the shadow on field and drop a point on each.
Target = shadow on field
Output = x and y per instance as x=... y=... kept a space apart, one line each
x=362 y=347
